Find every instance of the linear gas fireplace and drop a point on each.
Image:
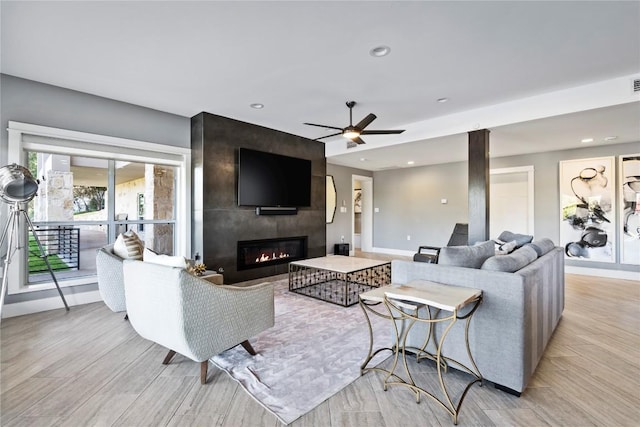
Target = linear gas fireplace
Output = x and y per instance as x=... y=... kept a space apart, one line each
x=262 y=253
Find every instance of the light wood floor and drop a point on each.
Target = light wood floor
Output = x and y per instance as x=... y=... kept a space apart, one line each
x=89 y=368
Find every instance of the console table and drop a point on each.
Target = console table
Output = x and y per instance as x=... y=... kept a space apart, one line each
x=406 y=305
x=337 y=279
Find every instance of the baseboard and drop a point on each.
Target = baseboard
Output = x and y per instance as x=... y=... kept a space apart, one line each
x=388 y=251
x=601 y=272
x=45 y=304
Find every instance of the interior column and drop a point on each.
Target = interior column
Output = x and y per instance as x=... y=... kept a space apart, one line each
x=478 y=186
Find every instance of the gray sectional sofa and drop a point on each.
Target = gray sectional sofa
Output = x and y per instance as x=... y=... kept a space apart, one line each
x=521 y=306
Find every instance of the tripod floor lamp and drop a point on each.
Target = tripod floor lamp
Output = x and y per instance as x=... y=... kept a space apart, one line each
x=17 y=188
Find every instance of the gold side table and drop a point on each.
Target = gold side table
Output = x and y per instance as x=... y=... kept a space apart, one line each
x=368 y=300
x=403 y=305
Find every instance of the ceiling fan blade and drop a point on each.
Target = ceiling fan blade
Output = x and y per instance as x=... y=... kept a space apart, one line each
x=381 y=132
x=357 y=140
x=366 y=121
x=328 y=136
x=323 y=126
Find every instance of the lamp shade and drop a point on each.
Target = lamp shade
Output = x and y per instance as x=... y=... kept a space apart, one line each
x=17 y=184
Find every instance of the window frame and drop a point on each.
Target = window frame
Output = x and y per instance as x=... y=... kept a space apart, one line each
x=23 y=137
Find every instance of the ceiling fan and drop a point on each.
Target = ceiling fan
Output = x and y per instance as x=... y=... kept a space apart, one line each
x=352 y=132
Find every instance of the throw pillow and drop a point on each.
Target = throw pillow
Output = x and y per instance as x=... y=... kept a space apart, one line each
x=466 y=256
x=168 y=260
x=521 y=239
x=128 y=246
x=542 y=246
x=512 y=262
x=506 y=248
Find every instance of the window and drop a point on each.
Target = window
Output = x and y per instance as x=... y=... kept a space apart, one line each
x=91 y=188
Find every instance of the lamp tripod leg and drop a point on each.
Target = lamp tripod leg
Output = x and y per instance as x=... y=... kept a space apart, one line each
x=7 y=258
x=45 y=257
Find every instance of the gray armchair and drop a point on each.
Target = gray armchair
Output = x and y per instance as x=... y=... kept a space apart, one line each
x=430 y=254
x=190 y=316
x=110 y=278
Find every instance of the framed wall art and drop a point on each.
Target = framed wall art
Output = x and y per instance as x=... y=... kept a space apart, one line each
x=587 y=209
x=629 y=197
x=357 y=201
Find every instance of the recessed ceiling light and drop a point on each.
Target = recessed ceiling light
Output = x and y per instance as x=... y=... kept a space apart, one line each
x=442 y=100
x=257 y=106
x=610 y=138
x=362 y=159
x=411 y=162
x=380 y=51
x=587 y=140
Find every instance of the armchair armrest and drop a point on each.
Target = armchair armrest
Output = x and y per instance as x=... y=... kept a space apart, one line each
x=430 y=256
x=110 y=279
x=431 y=248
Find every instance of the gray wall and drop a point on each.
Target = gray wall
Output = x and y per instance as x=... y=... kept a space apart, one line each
x=409 y=205
x=41 y=104
x=36 y=103
x=219 y=223
x=409 y=199
x=341 y=225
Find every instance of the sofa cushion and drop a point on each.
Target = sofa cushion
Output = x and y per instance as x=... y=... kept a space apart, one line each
x=521 y=239
x=466 y=256
x=542 y=246
x=512 y=262
x=168 y=260
x=128 y=246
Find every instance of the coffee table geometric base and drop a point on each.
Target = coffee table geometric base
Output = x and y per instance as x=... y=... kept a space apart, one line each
x=319 y=280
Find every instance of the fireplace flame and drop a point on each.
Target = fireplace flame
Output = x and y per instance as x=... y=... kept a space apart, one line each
x=265 y=257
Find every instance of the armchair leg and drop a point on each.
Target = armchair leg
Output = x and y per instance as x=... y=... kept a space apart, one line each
x=247 y=346
x=168 y=357
x=203 y=371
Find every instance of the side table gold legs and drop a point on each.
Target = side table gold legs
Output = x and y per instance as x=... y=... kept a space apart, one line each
x=368 y=300
x=366 y=308
x=399 y=314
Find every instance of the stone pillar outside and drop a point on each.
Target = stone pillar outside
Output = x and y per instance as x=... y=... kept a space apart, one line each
x=159 y=204
x=54 y=201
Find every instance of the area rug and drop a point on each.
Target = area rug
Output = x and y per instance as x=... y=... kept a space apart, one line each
x=314 y=350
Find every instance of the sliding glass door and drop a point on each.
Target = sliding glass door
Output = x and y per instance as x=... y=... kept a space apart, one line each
x=83 y=203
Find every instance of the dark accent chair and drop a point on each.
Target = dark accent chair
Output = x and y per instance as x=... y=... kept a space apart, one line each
x=459 y=237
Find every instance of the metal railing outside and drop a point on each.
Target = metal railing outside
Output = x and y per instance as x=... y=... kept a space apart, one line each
x=61 y=244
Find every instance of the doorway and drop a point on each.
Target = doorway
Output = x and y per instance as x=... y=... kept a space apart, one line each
x=511 y=201
x=362 y=213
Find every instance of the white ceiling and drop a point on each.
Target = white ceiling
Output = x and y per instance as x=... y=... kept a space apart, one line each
x=499 y=63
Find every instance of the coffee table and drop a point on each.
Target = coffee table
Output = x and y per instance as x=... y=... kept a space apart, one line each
x=338 y=279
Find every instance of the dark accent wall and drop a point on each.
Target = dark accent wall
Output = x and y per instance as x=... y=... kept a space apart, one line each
x=479 y=181
x=218 y=223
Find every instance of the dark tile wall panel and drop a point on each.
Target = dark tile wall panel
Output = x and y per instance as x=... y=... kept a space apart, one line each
x=220 y=223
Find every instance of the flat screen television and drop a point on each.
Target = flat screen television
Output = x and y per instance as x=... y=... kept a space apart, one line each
x=267 y=179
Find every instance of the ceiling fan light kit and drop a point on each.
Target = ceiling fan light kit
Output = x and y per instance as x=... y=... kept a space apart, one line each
x=350 y=132
x=353 y=133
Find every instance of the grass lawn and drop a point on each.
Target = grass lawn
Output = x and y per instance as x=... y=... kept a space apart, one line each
x=37 y=263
